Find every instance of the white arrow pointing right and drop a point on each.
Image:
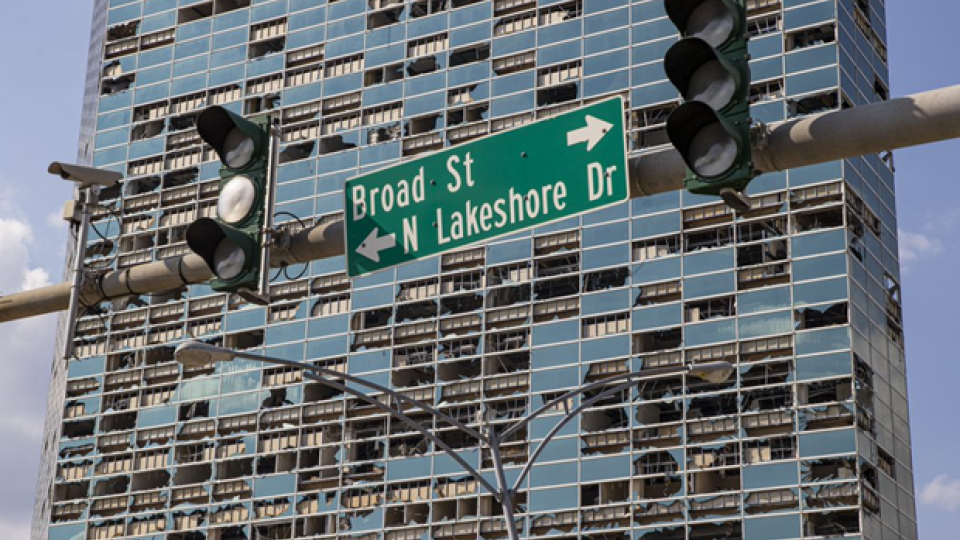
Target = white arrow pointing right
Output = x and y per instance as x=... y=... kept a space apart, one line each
x=591 y=134
x=373 y=245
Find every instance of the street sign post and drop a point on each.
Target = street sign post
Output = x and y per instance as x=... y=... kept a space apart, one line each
x=546 y=171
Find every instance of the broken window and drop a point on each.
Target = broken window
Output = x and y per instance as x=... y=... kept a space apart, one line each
x=657 y=340
x=475 y=53
x=562 y=12
x=381 y=75
x=423 y=65
x=555 y=288
x=708 y=239
x=605 y=279
x=811 y=37
x=414 y=311
x=224 y=6
x=194 y=12
x=821 y=316
x=423 y=124
x=816 y=103
x=295 y=152
x=711 y=308
x=770 y=449
x=768 y=399
x=831 y=524
x=658 y=293
x=604 y=325
x=558 y=94
x=822 y=219
x=506 y=65
x=422 y=8
x=472 y=113
x=765 y=252
x=197 y=409
x=386 y=17
x=463 y=303
x=825 y=391
x=336 y=143
x=507 y=296
x=708 y=407
x=762 y=230
x=714 y=481
x=244 y=340
x=766 y=374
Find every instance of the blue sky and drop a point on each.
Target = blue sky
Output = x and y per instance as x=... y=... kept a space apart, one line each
x=43 y=71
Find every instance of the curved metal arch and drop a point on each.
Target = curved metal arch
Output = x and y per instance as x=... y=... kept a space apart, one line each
x=371 y=385
x=556 y=429
x=397 y=413
x=631 y=376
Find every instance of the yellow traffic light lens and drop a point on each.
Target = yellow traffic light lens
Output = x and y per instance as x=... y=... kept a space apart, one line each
x=236 y=199
x=238 y=149
x=713 y=151
x=228 y=260
x=711 y=21
x=712 y=84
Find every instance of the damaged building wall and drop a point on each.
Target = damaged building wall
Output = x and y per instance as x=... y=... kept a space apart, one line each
x=801 y=293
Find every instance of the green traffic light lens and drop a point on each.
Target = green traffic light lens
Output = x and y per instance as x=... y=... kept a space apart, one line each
x=228 y=260
x=238 y=149
x=712 y=152
x=711 y=21
x=236 y=199
x=712 y=84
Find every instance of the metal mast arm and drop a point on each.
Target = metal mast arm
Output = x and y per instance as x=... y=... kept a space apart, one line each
x=889 y=125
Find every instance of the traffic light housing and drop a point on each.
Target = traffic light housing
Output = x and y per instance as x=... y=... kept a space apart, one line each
x=710 y=68
x=232 y=244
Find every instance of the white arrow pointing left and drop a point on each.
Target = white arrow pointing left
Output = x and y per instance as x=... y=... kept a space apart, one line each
x=591 y=134
x=373 y=245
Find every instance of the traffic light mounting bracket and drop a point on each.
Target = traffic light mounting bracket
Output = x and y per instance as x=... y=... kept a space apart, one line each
x=261 y=296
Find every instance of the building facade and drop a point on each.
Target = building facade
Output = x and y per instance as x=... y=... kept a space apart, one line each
x=808 y=439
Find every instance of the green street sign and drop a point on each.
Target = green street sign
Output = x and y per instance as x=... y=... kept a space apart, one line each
x=542 y=172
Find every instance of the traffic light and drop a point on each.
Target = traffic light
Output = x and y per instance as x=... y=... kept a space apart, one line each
x=232 y=245
x=710 y=68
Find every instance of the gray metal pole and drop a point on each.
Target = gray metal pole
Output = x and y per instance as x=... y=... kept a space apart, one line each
x=885 y=126
x=506 y=494
x=88 y=200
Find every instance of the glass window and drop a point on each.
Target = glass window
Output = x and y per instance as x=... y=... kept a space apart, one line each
x=823 y=366
x=829 y=442
x=553 y=499
x=772 y=528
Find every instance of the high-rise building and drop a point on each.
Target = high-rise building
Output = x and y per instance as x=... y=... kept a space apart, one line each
x=808 y=439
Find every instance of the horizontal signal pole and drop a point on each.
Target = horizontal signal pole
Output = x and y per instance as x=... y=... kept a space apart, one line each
x=885 y=126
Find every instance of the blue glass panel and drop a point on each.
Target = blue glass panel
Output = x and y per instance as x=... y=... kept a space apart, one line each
x=829 y=442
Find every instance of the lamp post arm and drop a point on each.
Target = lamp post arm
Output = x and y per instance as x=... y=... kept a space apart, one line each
x=556 y=429
x=371 y=385
x=413 y=424
x=631 y=376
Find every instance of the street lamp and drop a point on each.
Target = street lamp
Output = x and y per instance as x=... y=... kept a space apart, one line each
x=89 y=181
x=197 y=353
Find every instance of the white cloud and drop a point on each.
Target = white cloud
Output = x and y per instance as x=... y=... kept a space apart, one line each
x=915 y=246
x=10 y=529
x=942 y=492
x=27 y=350
x=55 y=221
x=35 y=278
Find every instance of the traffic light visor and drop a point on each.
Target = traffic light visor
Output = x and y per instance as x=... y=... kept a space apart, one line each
x=225 y=250
x=707 y=146
x=236 y=140
x=700 y=75
x=714 y=21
